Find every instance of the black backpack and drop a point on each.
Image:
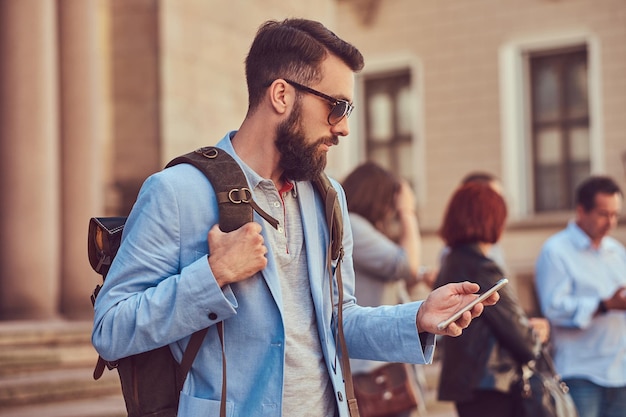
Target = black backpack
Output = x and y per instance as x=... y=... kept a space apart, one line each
x=151 y=381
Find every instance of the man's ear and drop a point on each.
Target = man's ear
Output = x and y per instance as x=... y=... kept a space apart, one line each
x=280 y=97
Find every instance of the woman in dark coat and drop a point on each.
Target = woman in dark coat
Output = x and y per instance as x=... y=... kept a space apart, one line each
x=479 y=366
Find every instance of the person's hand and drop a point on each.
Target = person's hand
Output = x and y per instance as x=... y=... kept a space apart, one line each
x=447 y=300
x=429 y=276
x=541 y=327
x=405 y=198
x=425 y=275
x=617 y=301
x=237 y=255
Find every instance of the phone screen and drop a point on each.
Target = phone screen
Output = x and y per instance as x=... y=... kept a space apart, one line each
x=469 y=306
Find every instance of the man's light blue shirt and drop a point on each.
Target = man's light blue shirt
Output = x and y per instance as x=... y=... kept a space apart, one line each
x=572 y=277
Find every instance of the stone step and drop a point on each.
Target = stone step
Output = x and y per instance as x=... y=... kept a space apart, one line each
x=46 y=370
x=27 y=347
x=112 y=406
x=49 y=366
x=52 y=332
x=25 y=359
x=47 y=386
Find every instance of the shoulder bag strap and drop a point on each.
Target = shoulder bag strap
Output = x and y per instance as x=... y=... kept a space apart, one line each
x=335 y=251
x=234 y=198
x=333 y=213
x=190 y=355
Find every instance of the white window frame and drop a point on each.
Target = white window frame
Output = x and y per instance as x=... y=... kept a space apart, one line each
x=352 y=150
x=515 y=113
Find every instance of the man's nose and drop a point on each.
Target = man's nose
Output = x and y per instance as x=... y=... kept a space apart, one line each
x=342 y=128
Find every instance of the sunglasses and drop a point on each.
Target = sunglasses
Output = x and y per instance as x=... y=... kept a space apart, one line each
x=341 y=108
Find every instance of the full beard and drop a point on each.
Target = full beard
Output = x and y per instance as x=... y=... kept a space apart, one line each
x=300 y=161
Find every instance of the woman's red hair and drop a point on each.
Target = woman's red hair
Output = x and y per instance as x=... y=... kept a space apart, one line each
x=475 y=213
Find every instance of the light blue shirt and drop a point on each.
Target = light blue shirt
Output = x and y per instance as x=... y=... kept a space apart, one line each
x=572 y=278
x=160 y=289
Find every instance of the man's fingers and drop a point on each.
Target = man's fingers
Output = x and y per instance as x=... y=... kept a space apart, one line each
x=470 y=287
x=456 y=328
x=453 y=330
x=477 y=310
x=493 y=298
x=466 y=318
x=237 y=255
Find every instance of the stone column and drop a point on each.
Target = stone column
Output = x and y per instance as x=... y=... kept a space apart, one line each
x=83 y=131
x=29 y=160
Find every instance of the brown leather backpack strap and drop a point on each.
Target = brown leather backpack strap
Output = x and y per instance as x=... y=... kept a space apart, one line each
x=336 y=247
x=333 y=213
x=99 y=369
x=193 y=347
x=234 y=198
x=220 y=331
x=345 y=358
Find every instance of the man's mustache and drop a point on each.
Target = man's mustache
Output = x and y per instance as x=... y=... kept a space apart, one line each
x=331 y=140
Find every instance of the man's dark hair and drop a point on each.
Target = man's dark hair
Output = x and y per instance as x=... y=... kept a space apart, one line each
x=588 y=189
x=293 y=49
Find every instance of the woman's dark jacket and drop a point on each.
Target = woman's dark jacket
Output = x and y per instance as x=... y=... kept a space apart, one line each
x=488 y=353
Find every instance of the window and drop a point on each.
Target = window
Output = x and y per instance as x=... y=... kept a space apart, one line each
x=389 y=122
x=559 y=118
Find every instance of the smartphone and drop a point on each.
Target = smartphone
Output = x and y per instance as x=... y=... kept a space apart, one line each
x=501 y=283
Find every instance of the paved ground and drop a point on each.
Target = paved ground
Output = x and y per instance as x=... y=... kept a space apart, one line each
x=440 y=410
x=114 y=407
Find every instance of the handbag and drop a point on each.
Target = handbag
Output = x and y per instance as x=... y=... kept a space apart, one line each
x=386 y=391
x=540 y=391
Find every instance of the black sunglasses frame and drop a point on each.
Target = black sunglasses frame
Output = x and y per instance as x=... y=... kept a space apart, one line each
x=334 y=101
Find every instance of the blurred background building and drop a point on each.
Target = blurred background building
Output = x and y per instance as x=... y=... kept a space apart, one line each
x=533 y=92
x=95 y=95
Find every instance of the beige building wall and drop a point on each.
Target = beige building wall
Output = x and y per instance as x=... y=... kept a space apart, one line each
x=29 y=181
x=98 y=94
x=458 y=51
x=52 y=125
x=133 y=64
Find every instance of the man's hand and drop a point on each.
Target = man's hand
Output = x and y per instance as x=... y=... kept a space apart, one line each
x=617 y=301
x=447 y=300
x=237 y=255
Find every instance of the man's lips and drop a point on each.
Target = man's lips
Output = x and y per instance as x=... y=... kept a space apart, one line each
x=330 y=142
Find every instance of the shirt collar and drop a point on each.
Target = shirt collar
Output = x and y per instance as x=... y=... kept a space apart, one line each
x=582 y=240
x=287 y=186
x=253 y=178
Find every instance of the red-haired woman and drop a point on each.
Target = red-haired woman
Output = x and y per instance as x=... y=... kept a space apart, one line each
x=479 y=366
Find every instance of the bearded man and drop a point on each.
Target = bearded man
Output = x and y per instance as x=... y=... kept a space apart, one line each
x=176 y=272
